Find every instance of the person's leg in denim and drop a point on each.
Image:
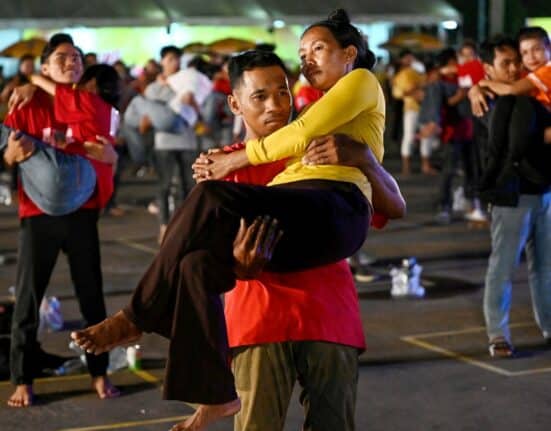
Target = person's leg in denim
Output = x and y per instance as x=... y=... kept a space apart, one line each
x=58 y=183
x=161 y=116
x=538 y=253
x=510 y=230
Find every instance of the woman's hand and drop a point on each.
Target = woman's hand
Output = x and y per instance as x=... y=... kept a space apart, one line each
x=254 y=246
x=336 y=150
x=217 y=165
x=102 y=150
x=200 y=167
x=21 y=96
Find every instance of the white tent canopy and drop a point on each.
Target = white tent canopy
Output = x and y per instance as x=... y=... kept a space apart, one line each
x=69 y=13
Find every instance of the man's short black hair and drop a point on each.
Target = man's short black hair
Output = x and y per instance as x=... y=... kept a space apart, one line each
x=56 y=40
x=250 y=60
x=533 y=33
x=445 y=56
x=170 y=49
x=498 y=42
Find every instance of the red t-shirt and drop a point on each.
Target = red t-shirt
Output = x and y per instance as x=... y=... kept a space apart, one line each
x=306 y=95
x=316 y=304
x=87 y=115
x=470 y=73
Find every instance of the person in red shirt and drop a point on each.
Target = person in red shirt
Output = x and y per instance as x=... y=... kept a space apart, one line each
x=58 y=182
x=193 y=250
x=89 y=111
x=42 y=237
x=302 y=325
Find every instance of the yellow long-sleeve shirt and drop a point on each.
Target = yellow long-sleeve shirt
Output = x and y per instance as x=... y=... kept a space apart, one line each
x=354 y=106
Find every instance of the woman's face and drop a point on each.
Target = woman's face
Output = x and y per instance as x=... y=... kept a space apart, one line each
x=323 y=61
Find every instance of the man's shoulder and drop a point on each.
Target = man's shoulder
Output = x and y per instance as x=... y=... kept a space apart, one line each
x=41 y=102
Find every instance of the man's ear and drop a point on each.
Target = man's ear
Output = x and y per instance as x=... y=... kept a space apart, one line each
x=233 y=103
x=44 y=69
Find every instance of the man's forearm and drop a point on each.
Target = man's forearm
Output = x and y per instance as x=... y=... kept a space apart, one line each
x=386 y=196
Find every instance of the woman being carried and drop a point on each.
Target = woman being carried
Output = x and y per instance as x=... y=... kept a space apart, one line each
x=324 y=211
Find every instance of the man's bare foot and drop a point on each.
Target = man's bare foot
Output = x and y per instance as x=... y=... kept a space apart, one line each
x=105 y=388
x=207 y=414
x=23 y=396
x=145 y=125
x=112 y=332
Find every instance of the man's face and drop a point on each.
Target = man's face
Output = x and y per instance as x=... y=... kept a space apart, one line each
x=534 y=53
x=263 y=99
x=170 y=64
x=506 y=65
x=64 y=65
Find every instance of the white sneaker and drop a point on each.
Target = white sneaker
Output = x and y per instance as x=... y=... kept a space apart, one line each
x=476 y=215
x=153 y=208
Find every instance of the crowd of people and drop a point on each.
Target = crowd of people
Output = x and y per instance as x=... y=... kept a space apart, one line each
x=489 y=107
x=274 y=192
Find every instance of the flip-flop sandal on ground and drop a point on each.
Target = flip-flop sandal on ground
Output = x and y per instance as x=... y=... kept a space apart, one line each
x=501 y=348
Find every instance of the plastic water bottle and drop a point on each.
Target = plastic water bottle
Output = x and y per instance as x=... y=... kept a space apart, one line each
x=81 y=353
x=5 y=195
x=117 y=359
x=134 y=357
x=406 y=279
x=50 y=314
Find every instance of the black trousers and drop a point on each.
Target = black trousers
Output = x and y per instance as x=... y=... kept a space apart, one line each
x=178 y=297
x=456 y=153
x=40 y=241
x=166 y=163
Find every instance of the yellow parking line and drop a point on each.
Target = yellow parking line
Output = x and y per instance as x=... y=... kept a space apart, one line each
x=530 y=372
x=127 y=424
x=144 y=375
x=466 y=331
x=53 y=379
x=456 y=356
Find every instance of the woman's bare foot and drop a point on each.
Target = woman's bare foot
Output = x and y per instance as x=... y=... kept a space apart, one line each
x=207 y=414
x=105 y=388
x=112 y=332
x=23 y=396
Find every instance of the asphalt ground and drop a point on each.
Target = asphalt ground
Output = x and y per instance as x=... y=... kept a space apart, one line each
x=426 y=367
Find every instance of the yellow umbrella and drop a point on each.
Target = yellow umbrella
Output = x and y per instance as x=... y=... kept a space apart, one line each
x=231 y=45
x=196 y=48
x=413 y=41
x=33 y=46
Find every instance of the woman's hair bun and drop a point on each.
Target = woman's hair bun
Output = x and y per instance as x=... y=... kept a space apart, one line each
x=339 y=16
